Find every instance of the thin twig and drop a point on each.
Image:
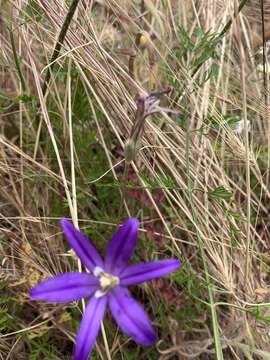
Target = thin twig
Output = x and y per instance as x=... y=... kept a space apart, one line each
x=229 y=23
x=54 y=56
x=59 y=43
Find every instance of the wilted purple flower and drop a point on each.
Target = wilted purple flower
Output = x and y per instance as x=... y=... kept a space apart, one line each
x=150 y=104
x=146 y=105
x=107 y=285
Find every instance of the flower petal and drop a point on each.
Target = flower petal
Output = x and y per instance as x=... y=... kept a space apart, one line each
x=121 y=246
x=83 y=247
x=136 y=274
x=89 y=328
x=65 y=288
x=130 y=316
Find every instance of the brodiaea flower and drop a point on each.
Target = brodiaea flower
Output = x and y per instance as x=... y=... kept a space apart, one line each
x=107 y=284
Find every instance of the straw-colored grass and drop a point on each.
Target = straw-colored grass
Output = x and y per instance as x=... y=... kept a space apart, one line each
x=62 y=153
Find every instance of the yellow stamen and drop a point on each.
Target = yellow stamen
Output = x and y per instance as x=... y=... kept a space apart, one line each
x=107 y=281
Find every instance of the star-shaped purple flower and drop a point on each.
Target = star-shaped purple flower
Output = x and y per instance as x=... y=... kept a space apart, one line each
x=107 y=284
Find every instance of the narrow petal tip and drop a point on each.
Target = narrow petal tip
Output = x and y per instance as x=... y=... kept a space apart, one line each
x=141 y=272
x=64 y=219
x=152 y=339
x=121 y=246
x=132 y=222
x=89 y=327
x=65 y=222
x=176 y=263
x=65 y=288
x=32 y=293
x=131 y=317
x=82 y=246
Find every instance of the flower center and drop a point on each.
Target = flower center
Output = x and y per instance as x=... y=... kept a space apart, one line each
x=106 y=281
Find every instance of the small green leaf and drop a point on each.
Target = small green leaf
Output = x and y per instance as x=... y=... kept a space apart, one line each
x=4 y=96
x=32 y=12
x=25 y=98
x=149 y=182
x=220 y=193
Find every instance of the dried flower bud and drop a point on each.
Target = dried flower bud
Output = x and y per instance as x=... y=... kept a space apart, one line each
x=142 y=40
x=146 y=105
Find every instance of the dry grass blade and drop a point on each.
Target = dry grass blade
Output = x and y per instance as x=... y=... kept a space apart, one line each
x=213 y=59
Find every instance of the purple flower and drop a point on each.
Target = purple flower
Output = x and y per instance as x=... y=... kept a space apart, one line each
x=146 y=105
x=107 y=284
